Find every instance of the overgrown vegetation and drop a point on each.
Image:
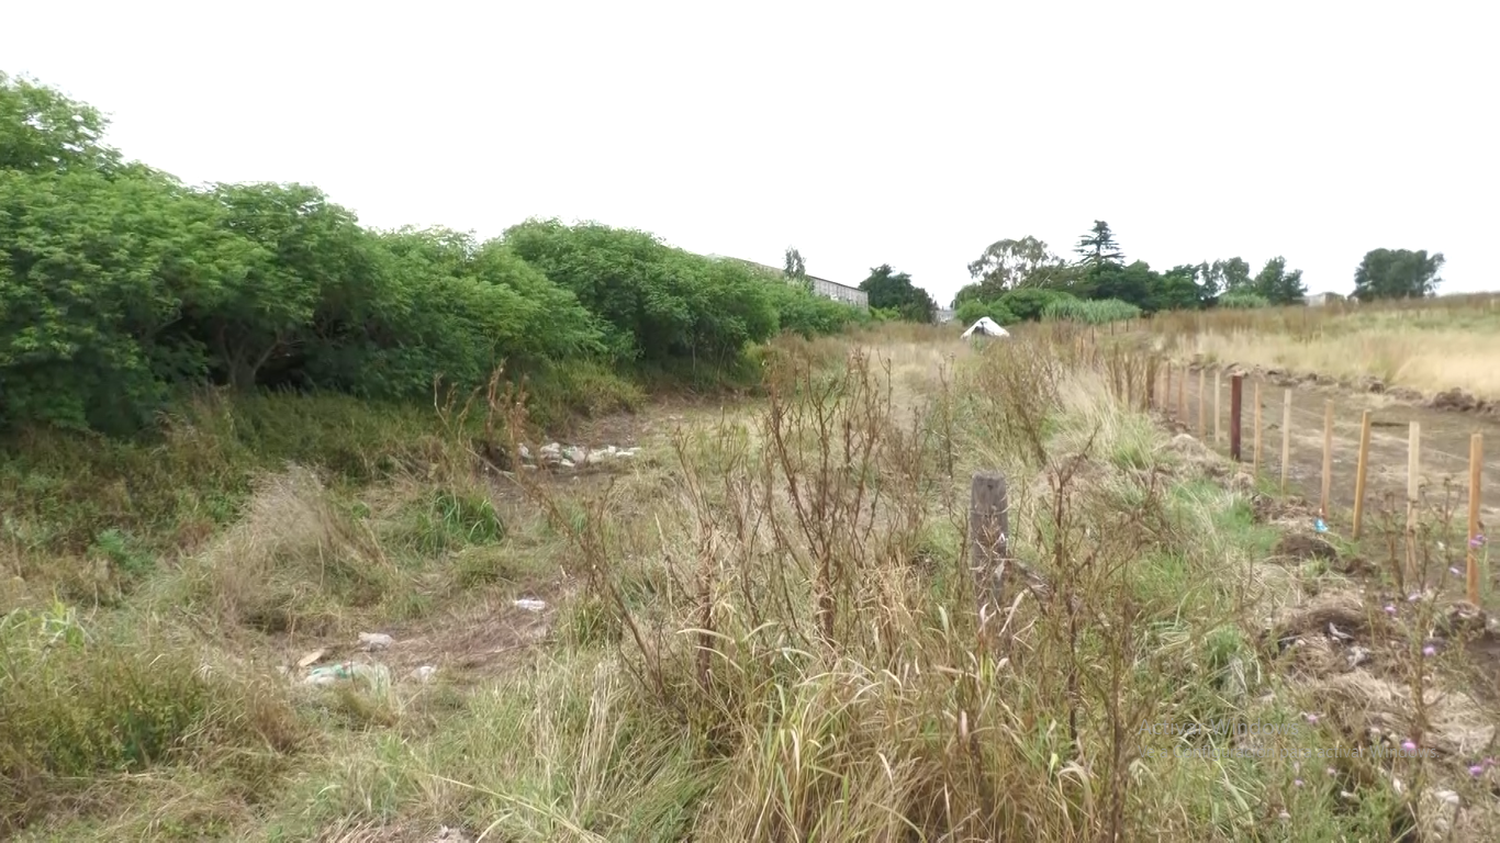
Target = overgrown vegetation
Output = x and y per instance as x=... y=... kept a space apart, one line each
x=1091 y=311
x=122 y=288
x=772 y=633
x=766 y=626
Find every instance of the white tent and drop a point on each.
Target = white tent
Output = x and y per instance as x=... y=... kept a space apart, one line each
x=986 y=327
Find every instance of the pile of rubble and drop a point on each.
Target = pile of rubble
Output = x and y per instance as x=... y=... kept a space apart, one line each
x=572 y=456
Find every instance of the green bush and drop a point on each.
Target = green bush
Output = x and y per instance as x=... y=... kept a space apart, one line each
x=972 y=311
x=808 y=315
x=121 y=288
x=658 y=302
x=1027 y=303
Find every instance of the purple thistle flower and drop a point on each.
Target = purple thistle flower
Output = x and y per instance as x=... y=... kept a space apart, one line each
x=1311 y=718
x=1413 y=597
x=1409 y=746
x=1297 y=782
x=1477 y=541
x=1429 y=650
x=1331 y=771
x=1389 y=609
x=1455 y=571
x=1476 y=770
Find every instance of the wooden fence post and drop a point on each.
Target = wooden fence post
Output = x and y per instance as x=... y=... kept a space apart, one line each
x=1413 y=490
x=1182 y=396
x=1218 y=390
x=1286 y=438
x=1360 y=472
x=989 y=535
x=1236 y=394
x=1255 y=467
x=1476 y=466
x=1327 y=457
x=1202 y=406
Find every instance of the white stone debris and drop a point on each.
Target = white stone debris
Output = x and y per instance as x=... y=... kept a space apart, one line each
x=374 y=641
x=559 y=455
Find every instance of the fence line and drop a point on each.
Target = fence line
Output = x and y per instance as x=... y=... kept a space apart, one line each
x=1133 y=376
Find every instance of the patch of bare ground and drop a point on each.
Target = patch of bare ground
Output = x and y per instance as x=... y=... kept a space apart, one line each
x=462 y=645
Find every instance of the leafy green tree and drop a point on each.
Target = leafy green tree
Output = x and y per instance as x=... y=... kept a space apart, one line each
x=658 y=302
x=795 y=267
x=972 y=292
x=1179 y=288
x=310 y=272
x=94 y=275
x=120 y=286
x=1397 y=274
x=1134 y=284
x=1232 y=275
x=626 y=277
x=449 y=305
x=1276 y=285
x=1097 y=249
x=1011 y=264
x=42 y=130
x=889 y=289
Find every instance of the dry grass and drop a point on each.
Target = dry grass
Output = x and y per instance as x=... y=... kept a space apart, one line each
x=1415 y=358
x=1423 y=346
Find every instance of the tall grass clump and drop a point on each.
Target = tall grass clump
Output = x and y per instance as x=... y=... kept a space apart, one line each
x=813 y=630
x=1091 y=311
x=1243 y=301
x=80 y=705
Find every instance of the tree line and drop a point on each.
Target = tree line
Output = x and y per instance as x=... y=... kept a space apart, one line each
x=120 y=287
x=1017 y=280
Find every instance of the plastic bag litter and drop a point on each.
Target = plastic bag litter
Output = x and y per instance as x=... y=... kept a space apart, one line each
x=329 y=674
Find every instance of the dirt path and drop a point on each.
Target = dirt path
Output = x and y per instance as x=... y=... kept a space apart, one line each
x=1445 y=444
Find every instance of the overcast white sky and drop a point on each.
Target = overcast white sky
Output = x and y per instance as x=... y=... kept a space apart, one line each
x=863 y=133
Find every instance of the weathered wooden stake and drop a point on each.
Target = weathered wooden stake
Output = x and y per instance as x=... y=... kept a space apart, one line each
x=1255 y=467
x=1476 y=466
x=989 y=534
x=1202 y=403
x=1327 y=458
x=1182 y=415
x=1218 y=390
x=1413 y=490
x=1236 y=398
x=1360 y=471
x=1286 y=438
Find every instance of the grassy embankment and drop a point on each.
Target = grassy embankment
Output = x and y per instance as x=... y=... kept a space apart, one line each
x=763 y=629
x=1426 y=345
